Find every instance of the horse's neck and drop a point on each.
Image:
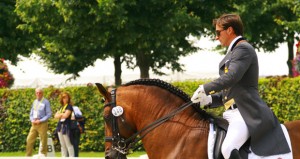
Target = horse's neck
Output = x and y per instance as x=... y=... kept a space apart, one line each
x=178 y=139
x=179 y=136
x=148 y=104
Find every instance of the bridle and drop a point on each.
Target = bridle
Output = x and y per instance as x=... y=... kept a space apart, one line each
x=119 y=143
x=123 y=145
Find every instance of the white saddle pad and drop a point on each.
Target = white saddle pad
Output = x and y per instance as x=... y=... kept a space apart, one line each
x=212 y=136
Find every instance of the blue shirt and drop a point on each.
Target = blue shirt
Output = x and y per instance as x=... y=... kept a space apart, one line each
x=43 y=110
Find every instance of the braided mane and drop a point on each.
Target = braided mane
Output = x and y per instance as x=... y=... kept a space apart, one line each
x=172 y=89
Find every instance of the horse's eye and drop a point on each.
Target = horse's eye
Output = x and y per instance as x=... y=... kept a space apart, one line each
x=107 y=118
x=102 y=100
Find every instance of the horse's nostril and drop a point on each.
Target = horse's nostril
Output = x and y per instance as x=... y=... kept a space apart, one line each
x=107 y=153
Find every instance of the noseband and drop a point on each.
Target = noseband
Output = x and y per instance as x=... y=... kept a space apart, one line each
x=123 y=145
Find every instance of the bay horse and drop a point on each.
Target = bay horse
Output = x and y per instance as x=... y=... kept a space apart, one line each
x=164 y=119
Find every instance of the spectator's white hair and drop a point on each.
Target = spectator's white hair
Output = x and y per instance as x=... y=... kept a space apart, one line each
x=39 y=89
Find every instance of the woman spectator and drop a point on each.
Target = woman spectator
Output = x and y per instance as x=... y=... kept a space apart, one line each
x=63 y=125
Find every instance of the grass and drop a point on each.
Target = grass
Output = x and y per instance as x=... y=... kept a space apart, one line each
x=58 y=154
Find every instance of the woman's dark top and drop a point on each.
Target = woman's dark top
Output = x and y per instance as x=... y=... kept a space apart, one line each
x=64 y=126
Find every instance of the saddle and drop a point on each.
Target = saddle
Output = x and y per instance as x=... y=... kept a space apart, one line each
x=221 y=126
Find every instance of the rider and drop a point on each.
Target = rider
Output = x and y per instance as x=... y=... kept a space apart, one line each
x=237 y=89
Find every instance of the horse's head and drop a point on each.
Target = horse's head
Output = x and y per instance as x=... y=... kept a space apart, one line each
x=116 y=138
x=148 y=110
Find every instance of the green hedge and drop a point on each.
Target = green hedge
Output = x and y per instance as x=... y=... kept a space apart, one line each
x=15 y=123
x=281 y=94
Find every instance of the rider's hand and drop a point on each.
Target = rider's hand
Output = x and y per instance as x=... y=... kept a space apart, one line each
x=200 y=96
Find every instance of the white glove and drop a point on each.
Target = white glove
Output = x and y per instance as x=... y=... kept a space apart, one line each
x=200 y=96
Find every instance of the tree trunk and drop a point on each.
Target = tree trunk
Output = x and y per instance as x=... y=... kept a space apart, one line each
x=290 y=43
x=118 y=70
x=143 y=65
x=144 y=71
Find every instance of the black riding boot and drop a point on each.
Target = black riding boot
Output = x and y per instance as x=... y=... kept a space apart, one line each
x=235 y=154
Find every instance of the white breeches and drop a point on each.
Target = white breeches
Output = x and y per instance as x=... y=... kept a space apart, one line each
x=237 y=133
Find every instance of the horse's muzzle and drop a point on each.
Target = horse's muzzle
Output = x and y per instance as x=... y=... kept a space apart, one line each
x=113 y=154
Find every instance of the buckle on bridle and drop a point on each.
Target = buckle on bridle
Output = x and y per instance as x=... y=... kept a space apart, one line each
x=120 y=146
x=120 y=150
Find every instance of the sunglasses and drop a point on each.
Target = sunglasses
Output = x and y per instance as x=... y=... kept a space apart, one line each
x=218 y=32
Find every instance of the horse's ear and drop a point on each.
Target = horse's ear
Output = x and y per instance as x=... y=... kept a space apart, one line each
x=102 y=90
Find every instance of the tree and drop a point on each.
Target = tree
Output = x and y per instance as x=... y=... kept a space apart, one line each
x=263 y=28
x=160 y=29
x=76 y=33
x=290 y=20
x=267 y=23
x=13 y=41
x=68 y=30
x=152 y=34
x=291 y=23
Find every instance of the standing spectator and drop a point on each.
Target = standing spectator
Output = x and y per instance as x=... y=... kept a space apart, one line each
x=39 y=114
x=63 y=125
x=76 y=129
x=296 y=61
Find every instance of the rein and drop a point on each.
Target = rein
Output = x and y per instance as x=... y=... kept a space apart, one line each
x=123 y=145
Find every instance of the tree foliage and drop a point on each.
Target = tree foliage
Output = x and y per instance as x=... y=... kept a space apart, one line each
x=160 y=29
x=291 y=21
x=266 y=24
x=13 y=42
x=71 y=35
x=145 y=34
